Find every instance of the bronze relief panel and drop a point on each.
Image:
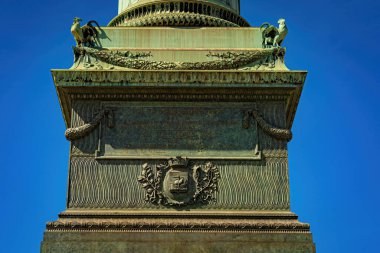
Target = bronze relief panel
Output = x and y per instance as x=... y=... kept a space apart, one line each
x=197 y=130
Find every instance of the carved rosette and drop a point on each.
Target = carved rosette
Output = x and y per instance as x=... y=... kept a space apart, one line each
x=178 y=182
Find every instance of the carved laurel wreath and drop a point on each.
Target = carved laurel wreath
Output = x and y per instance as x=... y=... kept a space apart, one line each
x=205 y=177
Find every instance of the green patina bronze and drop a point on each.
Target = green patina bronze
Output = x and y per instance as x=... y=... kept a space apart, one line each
x=179 y=115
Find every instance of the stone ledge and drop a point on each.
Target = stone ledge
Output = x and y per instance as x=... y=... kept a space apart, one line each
x=170 y=242
x=201 y=222
x=179 y=77
x=257 y=215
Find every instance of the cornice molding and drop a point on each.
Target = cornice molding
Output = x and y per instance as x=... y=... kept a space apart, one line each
x=170 y=224
x=179 y=77
x=179 y=85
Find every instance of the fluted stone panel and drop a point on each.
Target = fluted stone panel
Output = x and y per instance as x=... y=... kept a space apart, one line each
x=243 y=185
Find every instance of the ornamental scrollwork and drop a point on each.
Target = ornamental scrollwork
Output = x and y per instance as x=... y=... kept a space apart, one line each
x=178 y=182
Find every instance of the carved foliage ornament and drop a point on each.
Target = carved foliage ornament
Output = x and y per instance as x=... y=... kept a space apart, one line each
x=84 y=130
x=275 y=132
x=204 y=224
x=178 y=182
x=220 y=61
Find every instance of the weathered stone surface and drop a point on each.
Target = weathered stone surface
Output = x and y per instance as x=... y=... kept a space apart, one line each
x=169 y=242
x=159 y=130
x=112 y=184
x=179 y=136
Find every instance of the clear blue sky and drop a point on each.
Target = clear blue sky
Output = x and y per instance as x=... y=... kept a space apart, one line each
x=333 y=158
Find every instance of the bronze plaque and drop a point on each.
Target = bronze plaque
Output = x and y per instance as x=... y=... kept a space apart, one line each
x=196 y=130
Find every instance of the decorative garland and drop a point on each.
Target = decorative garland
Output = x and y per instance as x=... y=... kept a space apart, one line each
x=228 y=60
x=278 y=133
x=82 y=131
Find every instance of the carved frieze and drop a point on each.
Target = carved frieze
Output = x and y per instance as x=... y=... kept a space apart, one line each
x=94 y=57
x=96 y=78
x=135 y=224
x=178 y=182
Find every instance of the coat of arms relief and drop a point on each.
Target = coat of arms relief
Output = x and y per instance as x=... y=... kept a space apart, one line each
x=180 y=182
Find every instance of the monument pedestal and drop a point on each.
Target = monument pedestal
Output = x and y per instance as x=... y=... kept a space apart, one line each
x=179 y=136
x=172 y=232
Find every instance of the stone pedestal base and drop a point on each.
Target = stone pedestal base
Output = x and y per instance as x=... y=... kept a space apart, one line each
x=112 y=232
x=170 y=242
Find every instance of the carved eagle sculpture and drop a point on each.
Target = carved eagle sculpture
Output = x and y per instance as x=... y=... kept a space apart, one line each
x=85 y=35
x=272 y=36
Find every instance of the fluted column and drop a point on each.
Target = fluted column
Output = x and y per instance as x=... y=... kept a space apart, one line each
x=123 y=4
x=232 y=4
